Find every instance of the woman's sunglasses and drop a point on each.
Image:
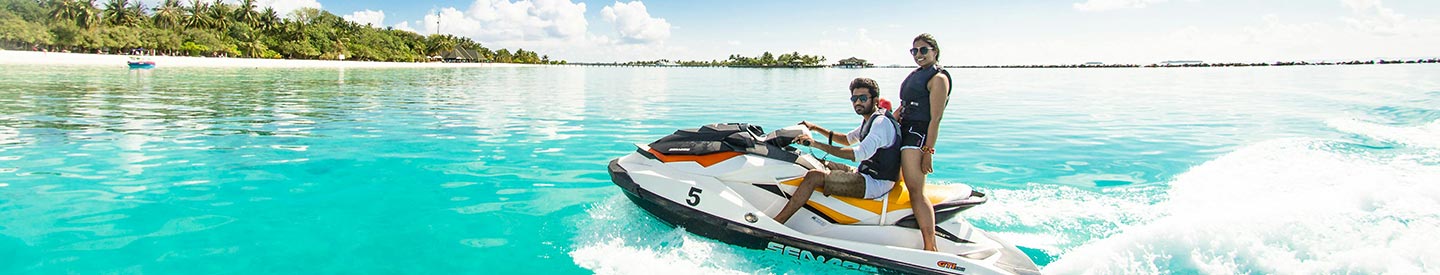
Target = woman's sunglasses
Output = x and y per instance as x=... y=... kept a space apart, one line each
x=920 y=50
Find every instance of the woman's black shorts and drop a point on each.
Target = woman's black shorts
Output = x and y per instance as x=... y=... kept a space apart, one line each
x=912 y=134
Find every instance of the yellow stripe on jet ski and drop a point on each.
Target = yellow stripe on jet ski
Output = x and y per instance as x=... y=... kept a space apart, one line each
x=827 y=211
x=836 y=215
x=899 y=198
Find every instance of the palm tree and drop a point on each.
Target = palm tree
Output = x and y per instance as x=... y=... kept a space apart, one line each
x=220 y=13
x=246 y=13
x=115 y=12
x=437 y=44
x=269 y=19
x=136 y=10
x=81 y=12
x=199 y=15
x=169 y=14
x=65 y=10
x=89 y=15
x=251 y=45
x=119 y=13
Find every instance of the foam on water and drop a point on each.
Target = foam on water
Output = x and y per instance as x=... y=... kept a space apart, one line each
x=620 y=238
x=1064 y=216
x=1420 y=136
x=1289 y=206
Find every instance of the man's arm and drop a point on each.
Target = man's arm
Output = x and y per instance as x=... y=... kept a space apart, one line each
x=842 y=140
x=879 y=136
x=843 y=152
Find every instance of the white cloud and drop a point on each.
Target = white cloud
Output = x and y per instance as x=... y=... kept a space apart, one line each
x=1105 y=5
x=1272 y=38
x=284 y=7
x=502 y=20
x=374 y=18
x=1371 y=17
x=557 y=28
x=634 y=23
x=405 y=26
x=845 y=43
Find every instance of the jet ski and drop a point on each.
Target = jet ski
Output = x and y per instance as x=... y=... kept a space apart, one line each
x=726 y=181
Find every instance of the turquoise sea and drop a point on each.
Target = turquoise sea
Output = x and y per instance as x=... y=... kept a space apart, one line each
x=1260 y=170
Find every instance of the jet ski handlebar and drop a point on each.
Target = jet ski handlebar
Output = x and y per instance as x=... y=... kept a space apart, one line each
x=786 y=136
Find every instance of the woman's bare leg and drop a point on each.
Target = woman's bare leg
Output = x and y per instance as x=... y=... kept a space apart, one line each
x=915 y=184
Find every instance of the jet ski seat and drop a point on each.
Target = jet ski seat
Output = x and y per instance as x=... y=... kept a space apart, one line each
x=948 y=200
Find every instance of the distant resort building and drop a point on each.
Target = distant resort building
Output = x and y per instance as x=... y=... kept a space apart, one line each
x=853 y=62
x=1182 y=62
x=461 y=55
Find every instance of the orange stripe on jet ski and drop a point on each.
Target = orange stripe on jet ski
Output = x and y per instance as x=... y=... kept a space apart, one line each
x=705 y=160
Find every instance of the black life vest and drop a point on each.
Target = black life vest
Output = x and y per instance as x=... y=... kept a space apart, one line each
x=885 y=163
x=915 y=93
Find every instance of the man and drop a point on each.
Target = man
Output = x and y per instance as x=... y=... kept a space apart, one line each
x=875 y=149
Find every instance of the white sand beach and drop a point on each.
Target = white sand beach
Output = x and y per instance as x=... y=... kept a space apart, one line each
x=54 y=58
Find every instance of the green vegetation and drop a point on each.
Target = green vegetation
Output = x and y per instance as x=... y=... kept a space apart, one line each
x=793 y=59
x=217 y=28
x=767 y=59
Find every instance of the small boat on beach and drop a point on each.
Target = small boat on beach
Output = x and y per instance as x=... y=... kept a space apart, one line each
x=137 y=62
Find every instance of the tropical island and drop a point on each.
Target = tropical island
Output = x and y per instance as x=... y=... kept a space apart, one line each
x=1201 y=64
x=796 y=60
x=216 y=28
x=764 y=60
x=219 y=29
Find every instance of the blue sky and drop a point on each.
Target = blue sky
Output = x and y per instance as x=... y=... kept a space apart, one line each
x=970 y=32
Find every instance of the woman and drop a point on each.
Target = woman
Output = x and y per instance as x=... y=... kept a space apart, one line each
x=922 y=103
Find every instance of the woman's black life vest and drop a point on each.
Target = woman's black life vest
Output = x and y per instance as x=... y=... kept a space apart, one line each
x=885 y=163
x=915 y=93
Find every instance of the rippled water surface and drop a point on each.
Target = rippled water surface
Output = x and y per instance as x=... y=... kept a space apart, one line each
x=502 y=170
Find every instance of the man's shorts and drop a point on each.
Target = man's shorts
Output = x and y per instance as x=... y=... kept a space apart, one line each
x=843 y=180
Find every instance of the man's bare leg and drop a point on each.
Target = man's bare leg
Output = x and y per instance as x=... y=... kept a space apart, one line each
x=813 y=179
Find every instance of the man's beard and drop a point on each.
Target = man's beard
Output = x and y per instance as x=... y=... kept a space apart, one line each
x=866 y=110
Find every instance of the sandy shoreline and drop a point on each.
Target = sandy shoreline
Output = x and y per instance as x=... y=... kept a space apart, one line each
x=81 y=59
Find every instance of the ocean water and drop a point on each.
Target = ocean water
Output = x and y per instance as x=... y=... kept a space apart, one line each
x=1286 y=170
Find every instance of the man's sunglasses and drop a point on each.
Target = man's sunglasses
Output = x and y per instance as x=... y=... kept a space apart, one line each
x=859 y=98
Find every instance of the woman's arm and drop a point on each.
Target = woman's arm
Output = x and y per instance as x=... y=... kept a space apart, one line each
x=939 y=96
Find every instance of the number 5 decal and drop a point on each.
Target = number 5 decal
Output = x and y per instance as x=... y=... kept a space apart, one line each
x=694 y=197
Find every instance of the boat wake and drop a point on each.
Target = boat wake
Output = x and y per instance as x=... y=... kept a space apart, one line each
x=1282 y=206
x=619 y=238
x=1290 y=206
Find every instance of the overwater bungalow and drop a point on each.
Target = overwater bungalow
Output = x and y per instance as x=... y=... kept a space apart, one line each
x=853 y=62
